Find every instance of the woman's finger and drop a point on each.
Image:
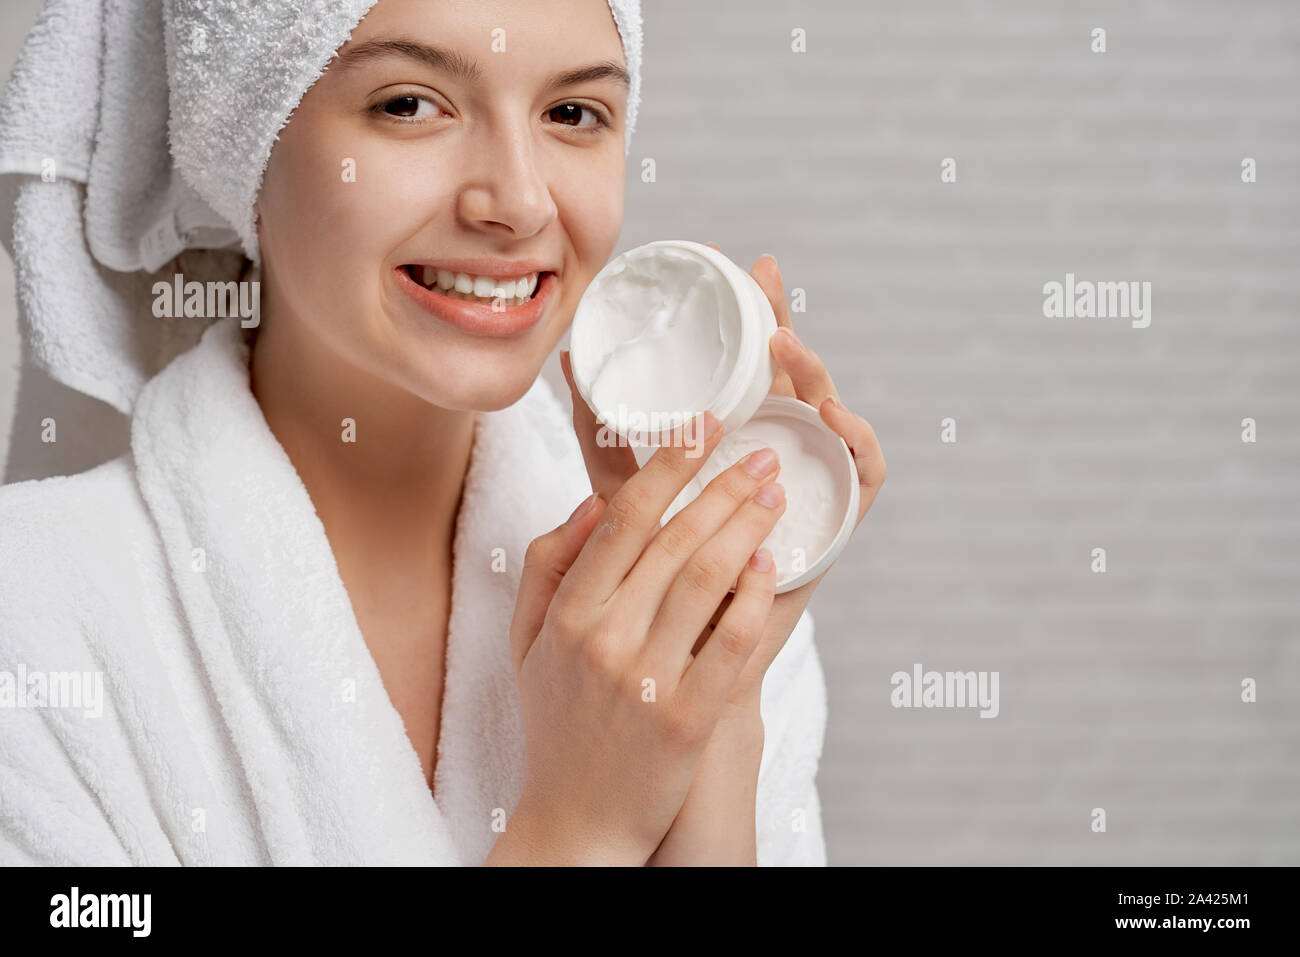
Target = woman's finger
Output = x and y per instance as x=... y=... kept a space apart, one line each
x=712 y=674
x=808 y=375
x=708 y=575
x=767 y=274
x=633 y=515
x=862 y=442
x=610 y=461
x=692 y=527
x=546 y=561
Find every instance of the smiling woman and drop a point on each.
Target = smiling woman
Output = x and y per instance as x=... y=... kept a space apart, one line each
x=465 y=160
x=357 y=626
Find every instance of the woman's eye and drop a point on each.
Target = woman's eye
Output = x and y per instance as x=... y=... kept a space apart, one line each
x=408 y=107
x=570 y=114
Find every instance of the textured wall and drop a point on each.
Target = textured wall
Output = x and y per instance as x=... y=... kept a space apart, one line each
x=1119 y=690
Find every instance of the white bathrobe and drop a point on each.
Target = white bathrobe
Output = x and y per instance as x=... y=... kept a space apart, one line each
x=244 y=720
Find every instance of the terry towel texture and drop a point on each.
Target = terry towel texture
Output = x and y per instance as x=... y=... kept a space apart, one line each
x=244 y=720
x=132 y=130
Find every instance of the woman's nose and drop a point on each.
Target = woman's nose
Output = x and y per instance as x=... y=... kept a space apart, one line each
x=507 y=190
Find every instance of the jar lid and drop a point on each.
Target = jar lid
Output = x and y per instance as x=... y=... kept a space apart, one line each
x=820 y=481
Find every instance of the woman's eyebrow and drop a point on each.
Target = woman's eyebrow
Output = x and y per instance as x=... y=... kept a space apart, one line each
x=606 y=70
x=439 y=58
x=451 y=61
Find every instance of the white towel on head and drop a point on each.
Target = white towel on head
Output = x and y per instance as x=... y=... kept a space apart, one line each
x=134 y=130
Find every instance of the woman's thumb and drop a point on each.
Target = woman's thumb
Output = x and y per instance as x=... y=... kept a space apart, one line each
x=548 y=557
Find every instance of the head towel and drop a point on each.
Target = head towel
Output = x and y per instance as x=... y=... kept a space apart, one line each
x=134 y=130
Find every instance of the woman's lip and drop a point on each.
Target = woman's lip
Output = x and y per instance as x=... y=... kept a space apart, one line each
x=479 y=318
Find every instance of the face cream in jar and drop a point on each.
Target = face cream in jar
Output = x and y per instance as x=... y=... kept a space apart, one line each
x=666 y=331
x=672 y=328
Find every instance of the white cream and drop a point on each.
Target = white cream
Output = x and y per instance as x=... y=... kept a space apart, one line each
x=672 y=328
x=665 y=336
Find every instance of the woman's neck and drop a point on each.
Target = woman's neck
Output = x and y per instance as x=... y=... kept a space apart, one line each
x=384 y=468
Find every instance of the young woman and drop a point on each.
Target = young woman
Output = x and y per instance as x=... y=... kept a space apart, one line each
x=337 y=611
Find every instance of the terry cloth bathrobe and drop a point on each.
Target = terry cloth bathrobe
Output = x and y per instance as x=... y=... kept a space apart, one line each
x=243 y=719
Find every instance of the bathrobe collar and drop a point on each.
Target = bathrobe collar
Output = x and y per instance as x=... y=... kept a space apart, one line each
x=326 y=759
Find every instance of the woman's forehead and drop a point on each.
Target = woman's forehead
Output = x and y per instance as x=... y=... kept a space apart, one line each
x=518 y=32
x=452 y=61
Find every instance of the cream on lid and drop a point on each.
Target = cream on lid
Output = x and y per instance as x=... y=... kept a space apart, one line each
x=816 y=471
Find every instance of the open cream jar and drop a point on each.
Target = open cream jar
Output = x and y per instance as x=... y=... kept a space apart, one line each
x=672 y=328
x=668 y=330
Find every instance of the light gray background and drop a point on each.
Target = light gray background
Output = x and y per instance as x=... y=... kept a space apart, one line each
x=1119 y=691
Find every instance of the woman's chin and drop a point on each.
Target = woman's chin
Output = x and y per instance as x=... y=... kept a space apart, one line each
x=497 y=399
x=466 y=372
x=488 y=392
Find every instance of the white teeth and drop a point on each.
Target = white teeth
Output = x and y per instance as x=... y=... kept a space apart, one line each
x=488 y=288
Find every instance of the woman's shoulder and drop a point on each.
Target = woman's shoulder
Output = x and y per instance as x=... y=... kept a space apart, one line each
x=34 y=511
x=71 y=548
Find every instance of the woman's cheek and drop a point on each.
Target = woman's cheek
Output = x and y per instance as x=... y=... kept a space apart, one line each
x=599 y=222
x=341 y=205
x=590 y=206
x=359 y=212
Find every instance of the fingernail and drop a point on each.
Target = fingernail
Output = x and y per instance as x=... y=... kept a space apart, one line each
x=771 y=495
x=697 y=432
x=759 y=463
x=582 y=508
x=761 y=560
x=709 y=425
x=837 y=403
x=793 y=338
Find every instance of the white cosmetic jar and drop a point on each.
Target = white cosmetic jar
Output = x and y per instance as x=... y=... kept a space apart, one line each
x=672 y=328
x=666 y=331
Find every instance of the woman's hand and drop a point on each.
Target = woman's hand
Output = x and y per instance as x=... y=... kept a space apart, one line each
x=802 y=375
x=724 y=792
x=715 y=824
x=617 y=712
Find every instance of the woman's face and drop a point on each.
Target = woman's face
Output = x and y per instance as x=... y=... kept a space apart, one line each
x=446 y=133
